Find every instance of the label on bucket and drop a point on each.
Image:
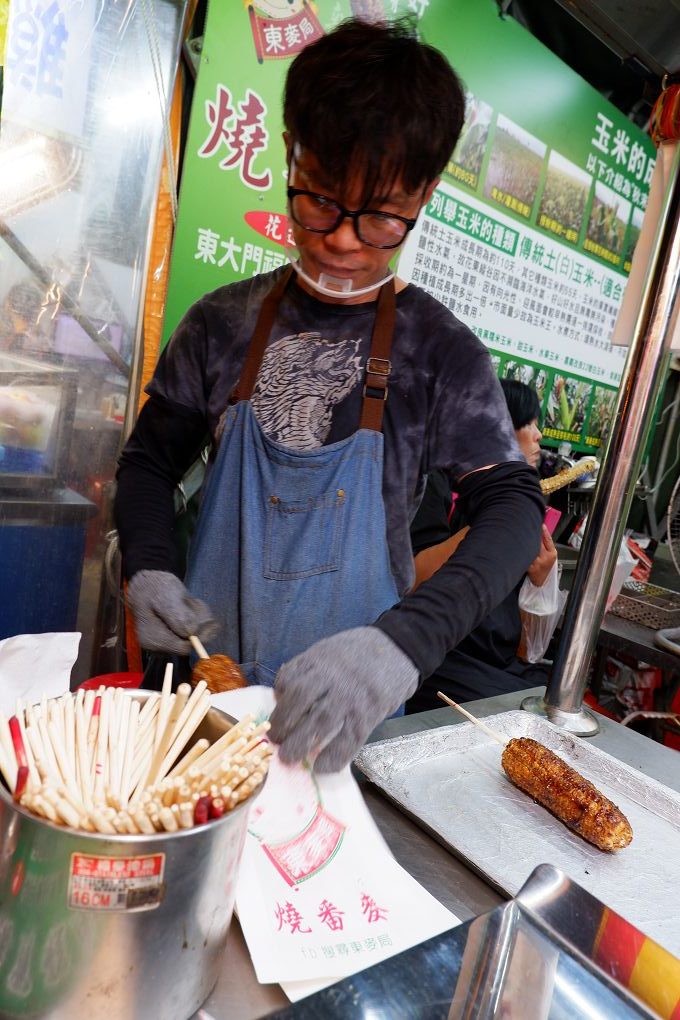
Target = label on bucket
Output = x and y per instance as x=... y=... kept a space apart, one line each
x=116 y=883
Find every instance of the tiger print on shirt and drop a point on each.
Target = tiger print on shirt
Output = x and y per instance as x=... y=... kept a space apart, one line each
x=303 y=376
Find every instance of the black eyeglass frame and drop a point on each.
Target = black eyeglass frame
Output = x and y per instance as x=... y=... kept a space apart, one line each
x=352 y=215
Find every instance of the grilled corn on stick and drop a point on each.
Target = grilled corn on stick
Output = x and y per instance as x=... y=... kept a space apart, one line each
x=565 y=793
x=557 y=481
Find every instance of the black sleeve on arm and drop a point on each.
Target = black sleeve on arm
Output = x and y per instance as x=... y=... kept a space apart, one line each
x=430 y=526
x=505 y=508
x=164 y=443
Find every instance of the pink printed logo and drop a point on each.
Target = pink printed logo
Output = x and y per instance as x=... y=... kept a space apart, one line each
x=308 y=853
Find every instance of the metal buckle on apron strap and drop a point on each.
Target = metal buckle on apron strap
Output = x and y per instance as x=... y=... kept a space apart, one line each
x=377 y=374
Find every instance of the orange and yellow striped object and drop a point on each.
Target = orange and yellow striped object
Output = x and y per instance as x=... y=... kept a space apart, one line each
x=638 y=963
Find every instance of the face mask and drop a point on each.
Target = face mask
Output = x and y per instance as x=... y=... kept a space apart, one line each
x=333 y=286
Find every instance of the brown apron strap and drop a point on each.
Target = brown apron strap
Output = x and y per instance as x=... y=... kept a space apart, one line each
x=265 y=320
x=378 y=365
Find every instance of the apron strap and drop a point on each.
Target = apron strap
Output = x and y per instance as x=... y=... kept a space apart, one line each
x=265 y=320
x=378 y=365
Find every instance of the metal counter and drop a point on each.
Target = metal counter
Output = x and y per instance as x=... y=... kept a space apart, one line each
x=238 y=995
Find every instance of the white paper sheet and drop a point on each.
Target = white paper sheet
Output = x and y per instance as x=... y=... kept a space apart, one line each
x=35 y=664
x=319 y=895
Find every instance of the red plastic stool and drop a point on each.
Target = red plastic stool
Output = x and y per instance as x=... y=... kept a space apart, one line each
x=130 y=680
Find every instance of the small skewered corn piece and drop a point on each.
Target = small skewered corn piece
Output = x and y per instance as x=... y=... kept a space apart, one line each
x=219 y=672
x=563 y=478
x=566 y=794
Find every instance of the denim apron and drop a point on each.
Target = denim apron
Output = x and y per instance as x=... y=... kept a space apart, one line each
x=291 y=546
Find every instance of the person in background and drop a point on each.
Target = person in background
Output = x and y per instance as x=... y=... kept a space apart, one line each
x=485 y=662
x=20 y=316
x=329 y=388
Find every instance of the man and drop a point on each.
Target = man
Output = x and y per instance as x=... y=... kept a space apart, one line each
x=329 y=391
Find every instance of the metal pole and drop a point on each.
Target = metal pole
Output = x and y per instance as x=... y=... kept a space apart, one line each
x=642 y=376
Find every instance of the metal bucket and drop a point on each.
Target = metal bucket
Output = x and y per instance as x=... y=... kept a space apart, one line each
x=96 y=927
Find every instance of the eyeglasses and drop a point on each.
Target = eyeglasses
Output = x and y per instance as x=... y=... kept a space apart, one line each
x=323 y=215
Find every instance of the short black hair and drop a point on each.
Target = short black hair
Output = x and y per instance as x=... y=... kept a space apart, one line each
x=522 y=402
x=372 y=99
x=25 y=299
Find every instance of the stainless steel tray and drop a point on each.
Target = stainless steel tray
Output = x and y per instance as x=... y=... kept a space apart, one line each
x=451 y=782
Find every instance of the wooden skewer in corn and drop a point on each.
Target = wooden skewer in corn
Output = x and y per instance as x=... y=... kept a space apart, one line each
x=468 y=715
x=219 y=671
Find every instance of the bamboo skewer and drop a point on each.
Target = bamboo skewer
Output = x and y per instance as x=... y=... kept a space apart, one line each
x=18 y=742
x=196 y=716
x=468 y=715
x=33 y=736
x=116 y=751
x=125 y=784
x=104 y=763
x=164 y=707
x=227 y=739
x=93 y=727
x=55 y=715
x=61 y=757
x=8 y=762
x=34 y=778
x=69 y=733
x=190 y=757
x=101 y=757
x=163 y=746
x=51 y=766
x=84 y=777
x=145 y=727
x=198 y=647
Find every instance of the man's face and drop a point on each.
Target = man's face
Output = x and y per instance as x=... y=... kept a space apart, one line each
x=342 y=254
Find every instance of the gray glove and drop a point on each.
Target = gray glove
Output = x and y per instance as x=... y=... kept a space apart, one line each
x=331 y=696
x=166 y=614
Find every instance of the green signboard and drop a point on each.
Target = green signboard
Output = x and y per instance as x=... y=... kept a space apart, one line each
x=529 y=235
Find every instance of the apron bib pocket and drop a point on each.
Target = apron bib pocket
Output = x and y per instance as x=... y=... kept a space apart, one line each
x=303 y=536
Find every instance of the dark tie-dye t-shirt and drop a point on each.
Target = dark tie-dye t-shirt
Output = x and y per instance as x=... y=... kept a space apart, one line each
x=445 y=407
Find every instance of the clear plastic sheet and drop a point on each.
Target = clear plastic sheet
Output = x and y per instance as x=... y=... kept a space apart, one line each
x=86 y=88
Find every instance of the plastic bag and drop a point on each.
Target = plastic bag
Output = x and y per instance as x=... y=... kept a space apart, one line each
x=625 y=562
x=622 y=571
x=540 y=609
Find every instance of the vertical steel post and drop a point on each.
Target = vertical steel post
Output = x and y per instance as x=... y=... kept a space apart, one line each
x=642 y=377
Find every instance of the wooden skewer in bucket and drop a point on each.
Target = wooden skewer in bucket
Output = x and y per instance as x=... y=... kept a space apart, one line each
x=468 y=715
x=113 y=777
x=219 y=671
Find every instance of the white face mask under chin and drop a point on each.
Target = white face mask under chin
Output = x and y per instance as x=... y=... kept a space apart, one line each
x=333 y=286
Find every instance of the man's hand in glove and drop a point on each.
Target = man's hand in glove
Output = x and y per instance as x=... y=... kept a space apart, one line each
x=331 y=696
x=166 y=614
